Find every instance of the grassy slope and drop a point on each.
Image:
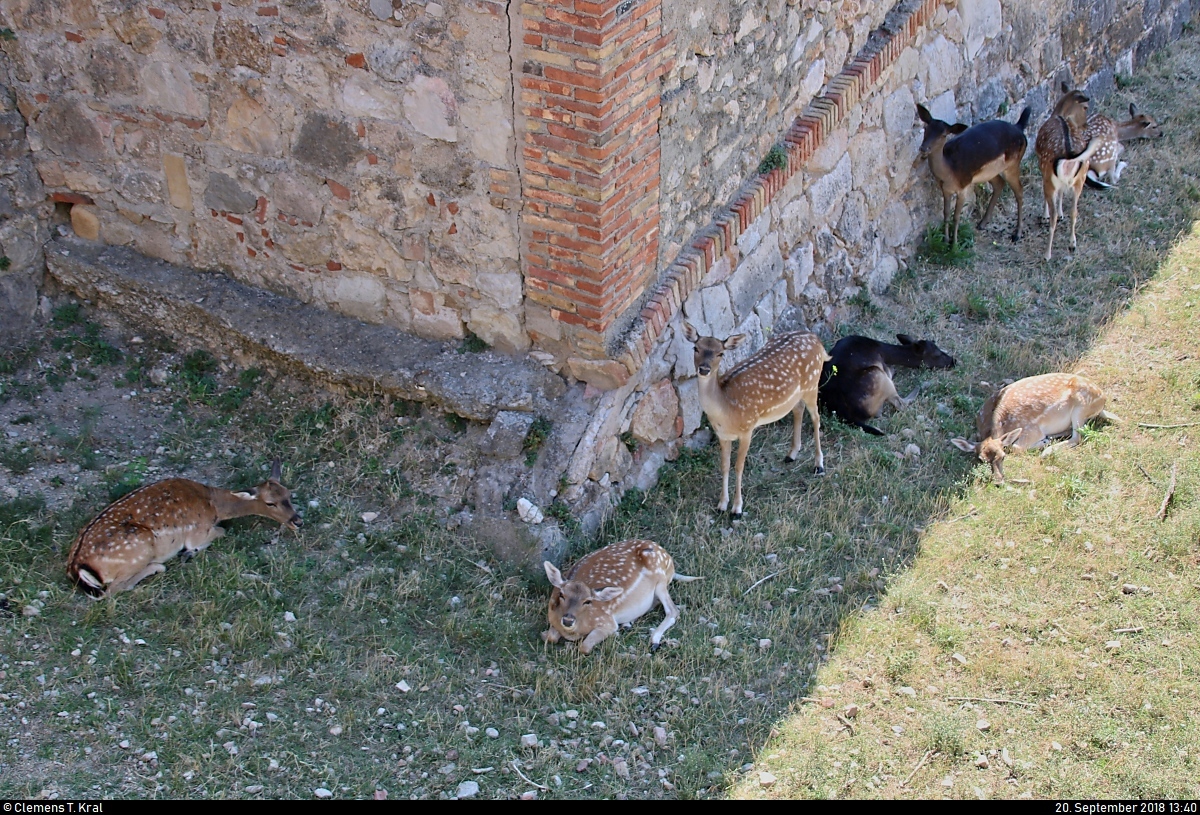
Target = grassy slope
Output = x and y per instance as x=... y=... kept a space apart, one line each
x=405 y=599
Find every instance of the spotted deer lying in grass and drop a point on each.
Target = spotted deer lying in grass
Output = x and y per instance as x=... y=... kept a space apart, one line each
x=1027 y=412
x=857 y=380
x=609 y=588
x=1111 y=135
x=781 y=377
x=989 y=151
x=1063 y=153
x=132 y=538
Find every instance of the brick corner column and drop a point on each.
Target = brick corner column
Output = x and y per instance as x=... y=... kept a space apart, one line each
x=589 y=94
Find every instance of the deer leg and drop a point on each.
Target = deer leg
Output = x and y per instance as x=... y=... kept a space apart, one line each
x=811 y=404
x=958 y=202
x=726 y=449
x=129 y=583
x=946 y=216
x=598 y=635
x=743 y=449
x=1053 y=223
x=672 y=614
x=997 y=188
x=797 y=431
x=551 y=635
x=190 y=552
x=1078 y=186
x=1013 y=176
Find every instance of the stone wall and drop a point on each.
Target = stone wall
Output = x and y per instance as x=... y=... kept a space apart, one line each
x=24 y=214
x=358 y=155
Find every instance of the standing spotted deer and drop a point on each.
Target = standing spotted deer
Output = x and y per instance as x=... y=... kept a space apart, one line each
x=132 y=538
x=1063 y=153
x=781 y=377
x=609 y=588
x=1112 y=134
x=1025 y=413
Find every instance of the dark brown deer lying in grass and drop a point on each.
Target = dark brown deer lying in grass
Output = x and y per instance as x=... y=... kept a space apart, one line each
x=988 y=152
x=857 y=380
x=1111 y=134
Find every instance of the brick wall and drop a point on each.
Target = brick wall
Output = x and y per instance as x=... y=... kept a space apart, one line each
x=590 y=177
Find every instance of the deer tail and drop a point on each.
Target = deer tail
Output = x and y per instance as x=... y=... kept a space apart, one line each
x=1096 y=184
x=683 y=578
x=1023 y=122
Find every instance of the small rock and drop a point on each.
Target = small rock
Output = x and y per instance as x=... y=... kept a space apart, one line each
x=1056 y=747
x=529 y=795
x=1112 y=645
x=959 y=658
x=907 y=691
x=660 y=736
x=403 y=686
x=123 y=744
x=621 y=767
x=529 y=513
x=492 y=733
x=289 y=617
x=1129 y=588
x=764 y=644
x=851 y=711
x=369 y=516
x=336 y=730
x=982 y=725
x=720 y=641
x=254 y=789
x=912 y=451
x=1006 y=758
x=322 y=793
x=31 y=611
x=948 y=781
x=467 y=789
x=982 y=762
x=529 y=740
x=380 y=795
x=766 y=779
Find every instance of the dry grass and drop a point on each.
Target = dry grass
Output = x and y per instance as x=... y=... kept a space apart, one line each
x=892 y=563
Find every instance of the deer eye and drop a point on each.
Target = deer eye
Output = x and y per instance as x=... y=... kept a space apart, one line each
x=587 y=602
x=270 y=503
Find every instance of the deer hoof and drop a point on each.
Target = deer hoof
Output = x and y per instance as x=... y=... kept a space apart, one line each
x=654 y=646
x=819 y=471
x=788 y=459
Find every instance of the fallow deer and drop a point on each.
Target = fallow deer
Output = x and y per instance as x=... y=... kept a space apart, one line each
x=857 y=380
x=987 y=152
x=1025 y=413
x=781 y=377
x=609 y=588
x=132 y=538
x=1112 y=134
x=1063 y=154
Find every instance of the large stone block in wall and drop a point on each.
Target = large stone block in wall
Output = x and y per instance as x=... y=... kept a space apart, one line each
x=941 y=66
x=828 y=191
x=654 y=417
x=169 y=86
x=430 y=108
x=66 y=128
x=982 y=21
x=757 y=272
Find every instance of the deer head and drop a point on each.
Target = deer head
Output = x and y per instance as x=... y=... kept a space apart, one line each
x=572 y=603
x=927 y=352
x=709 y=350
x=936 y=134
x=273 y=500
x=991 y=450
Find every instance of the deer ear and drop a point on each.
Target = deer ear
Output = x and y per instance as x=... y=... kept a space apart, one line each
x=553 y=574
x=905 y=339
x=923 y=114
x=734 y=341
x=610 y=593
x=958 y=128
x=276 y=471
x=1009 y=438
x=247 y=495
x=689 y=332
x=1132 y=110
x=964 y=445
x=1065 y=87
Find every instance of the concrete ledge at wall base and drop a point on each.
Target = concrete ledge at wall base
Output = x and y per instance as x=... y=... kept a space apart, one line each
x=224 y=315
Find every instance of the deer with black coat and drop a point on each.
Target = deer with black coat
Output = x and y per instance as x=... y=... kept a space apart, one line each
x=987 y=152
x=856 y=382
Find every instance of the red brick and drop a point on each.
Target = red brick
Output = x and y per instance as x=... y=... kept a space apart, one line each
x=268 y=11
x=356 y=61
x=156 y=13
x=73 y=37
x=338 y=190
x=333 y=266
x=71 y=198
